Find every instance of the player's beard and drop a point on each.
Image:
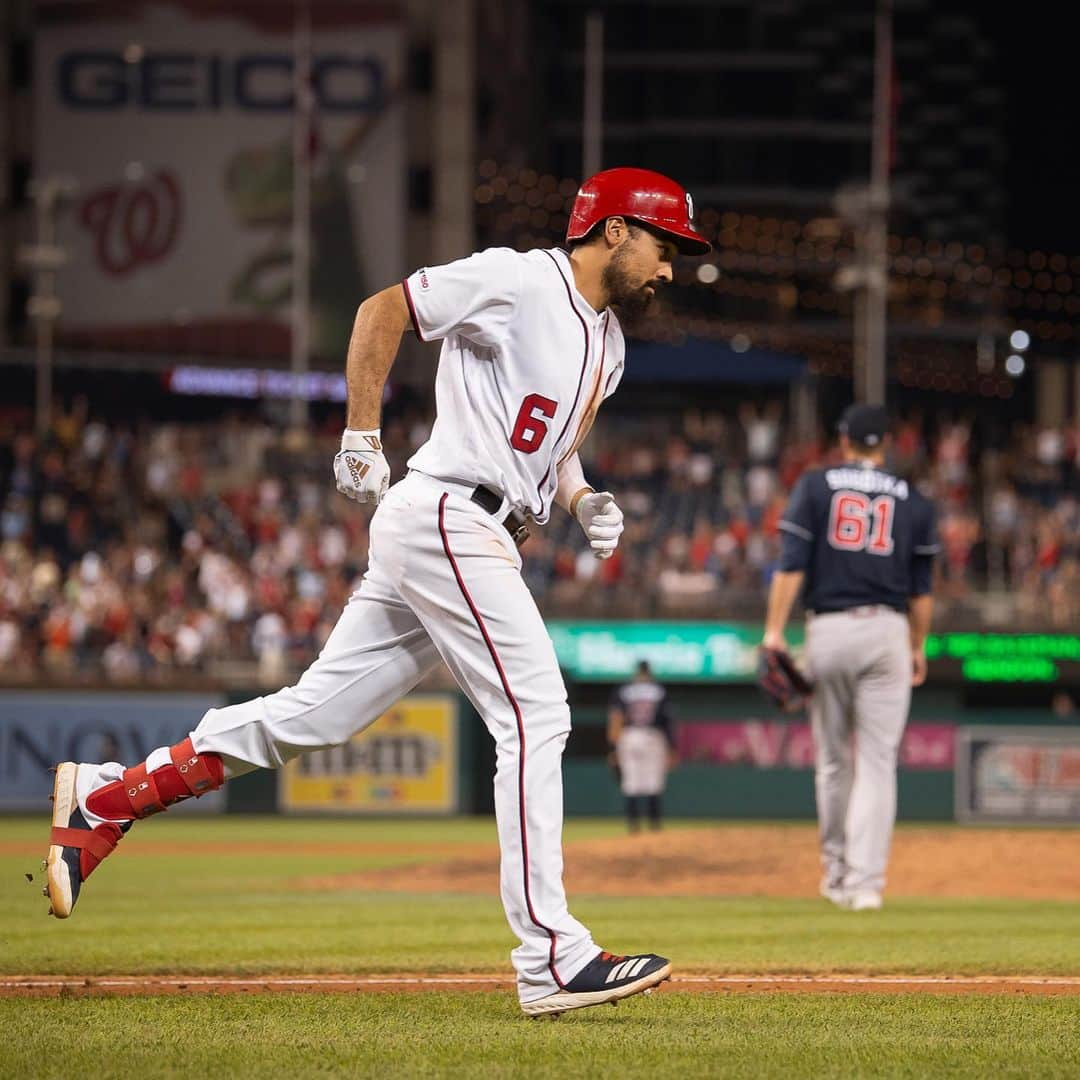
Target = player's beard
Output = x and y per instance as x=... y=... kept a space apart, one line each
x=633 y=300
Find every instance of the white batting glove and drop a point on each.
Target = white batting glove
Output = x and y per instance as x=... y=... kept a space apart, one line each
x=360 y=469
x=602 y=521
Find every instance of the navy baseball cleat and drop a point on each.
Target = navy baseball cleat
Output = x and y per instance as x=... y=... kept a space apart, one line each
x=605 y=979
x=74 y=848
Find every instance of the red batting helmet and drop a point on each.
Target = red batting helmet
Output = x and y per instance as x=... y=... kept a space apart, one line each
x=646 y=196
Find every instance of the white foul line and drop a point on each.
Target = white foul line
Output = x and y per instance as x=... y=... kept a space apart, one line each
x=271 y=981
x=886 y=980
x=90 y=982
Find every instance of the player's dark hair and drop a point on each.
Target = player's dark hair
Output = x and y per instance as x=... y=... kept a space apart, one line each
x=598 y=230
x=588 y=238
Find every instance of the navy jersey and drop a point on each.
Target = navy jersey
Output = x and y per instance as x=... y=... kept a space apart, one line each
x=862 y=536
x=644 y=704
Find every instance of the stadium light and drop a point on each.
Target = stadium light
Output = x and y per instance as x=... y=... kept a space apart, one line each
x=1019 y=340
x=1014 y=365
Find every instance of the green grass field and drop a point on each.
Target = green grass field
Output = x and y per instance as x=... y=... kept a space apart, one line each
x=483 y=1035
x=181 y=896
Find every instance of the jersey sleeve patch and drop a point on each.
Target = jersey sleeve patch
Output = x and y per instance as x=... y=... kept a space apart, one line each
x=474 y=297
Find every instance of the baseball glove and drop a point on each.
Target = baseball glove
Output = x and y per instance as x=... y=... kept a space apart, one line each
x=781 y=681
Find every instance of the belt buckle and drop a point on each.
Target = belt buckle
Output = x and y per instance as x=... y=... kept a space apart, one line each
x=519 y=534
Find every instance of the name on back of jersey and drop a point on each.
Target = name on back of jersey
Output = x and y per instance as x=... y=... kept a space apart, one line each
x=866 y=480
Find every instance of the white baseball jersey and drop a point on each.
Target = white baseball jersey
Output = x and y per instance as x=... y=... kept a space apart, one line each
x=525 y=363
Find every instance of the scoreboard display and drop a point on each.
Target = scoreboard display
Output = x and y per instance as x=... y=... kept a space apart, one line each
x=1005 y=658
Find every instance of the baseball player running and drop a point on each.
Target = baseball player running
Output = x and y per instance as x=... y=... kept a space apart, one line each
x=642 y=738
x=859 y=542
x=531 y=346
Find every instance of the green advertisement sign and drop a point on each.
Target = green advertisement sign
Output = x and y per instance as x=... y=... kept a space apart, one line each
x=677 y=652
x=727 y=652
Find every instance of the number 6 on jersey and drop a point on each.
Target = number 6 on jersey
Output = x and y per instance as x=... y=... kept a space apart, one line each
x=529 y=429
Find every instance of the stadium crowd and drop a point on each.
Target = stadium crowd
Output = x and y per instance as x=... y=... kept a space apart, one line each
x=141 y=552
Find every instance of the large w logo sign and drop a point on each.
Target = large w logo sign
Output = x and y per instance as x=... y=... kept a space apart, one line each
x=133 y=224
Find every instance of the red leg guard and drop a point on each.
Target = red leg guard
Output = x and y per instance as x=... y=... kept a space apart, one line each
x=199 y=774
x=140 y=793
x=93 y=845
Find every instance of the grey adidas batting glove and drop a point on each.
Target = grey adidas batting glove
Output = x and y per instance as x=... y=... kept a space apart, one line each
x=361 y=470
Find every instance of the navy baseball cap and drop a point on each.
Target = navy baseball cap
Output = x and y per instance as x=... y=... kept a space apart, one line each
x=864 y=424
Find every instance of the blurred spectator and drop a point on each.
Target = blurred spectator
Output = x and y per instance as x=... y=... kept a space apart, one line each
x=141 y=554
x=1064 y=707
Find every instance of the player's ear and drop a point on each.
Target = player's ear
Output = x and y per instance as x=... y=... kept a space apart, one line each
x=616 y=231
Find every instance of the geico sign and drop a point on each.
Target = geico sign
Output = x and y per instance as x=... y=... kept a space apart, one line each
x=380 y=755
x=188 y=81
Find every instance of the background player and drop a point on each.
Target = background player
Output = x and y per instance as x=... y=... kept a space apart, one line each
x=859 y=542
x=642 y=737
x=531 y=346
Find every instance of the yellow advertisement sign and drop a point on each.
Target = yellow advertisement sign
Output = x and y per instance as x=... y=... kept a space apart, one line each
x=406 y=762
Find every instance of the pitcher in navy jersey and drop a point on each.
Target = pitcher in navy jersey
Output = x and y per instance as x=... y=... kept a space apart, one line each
x=858 y=543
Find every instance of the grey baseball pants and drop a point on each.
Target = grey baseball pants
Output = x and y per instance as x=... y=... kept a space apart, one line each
x=860 y=661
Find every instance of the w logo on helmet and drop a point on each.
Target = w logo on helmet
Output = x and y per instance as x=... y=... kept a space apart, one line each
x=689 y=207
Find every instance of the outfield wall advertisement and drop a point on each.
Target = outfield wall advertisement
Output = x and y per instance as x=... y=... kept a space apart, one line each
x=780 y=744
x=176 y=122
x=406 y=762
x=679 y=652
x=37 y=730
x=1027 y=774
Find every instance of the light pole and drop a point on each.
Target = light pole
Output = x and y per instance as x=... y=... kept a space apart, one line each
x=592 y=132
x=45 y=257
x=303 y=108
x=867 y=209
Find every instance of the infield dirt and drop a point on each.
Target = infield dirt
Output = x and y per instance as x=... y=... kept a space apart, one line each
x=729 y=861
x=753 y=860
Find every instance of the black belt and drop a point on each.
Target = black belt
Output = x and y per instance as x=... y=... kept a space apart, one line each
x=857 y=609
x=515 y=523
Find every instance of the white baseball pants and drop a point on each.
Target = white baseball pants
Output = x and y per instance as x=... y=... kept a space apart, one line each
x=861 y=665
x=443 y=580
x=642 y=755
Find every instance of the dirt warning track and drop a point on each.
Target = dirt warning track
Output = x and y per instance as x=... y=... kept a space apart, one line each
x=834 y=983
